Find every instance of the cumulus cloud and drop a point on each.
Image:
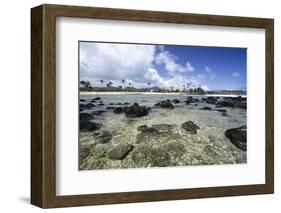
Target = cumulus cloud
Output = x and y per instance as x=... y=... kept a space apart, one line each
x=235 y=74
x=114 y=61
x=169 y=61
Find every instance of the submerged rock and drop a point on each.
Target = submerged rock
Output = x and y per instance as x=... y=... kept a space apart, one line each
x=222 y=110
x=155 y=132
x=224 y=114
x=84 y=106
x=85 y=125
x=90 y=105
x=206 y=108
x=165 y=104
x=120 y=152
x=142 y=128
x=211 y=100
x=110 y=107
x=190 y=127
x=104 y=137
x=98 y=112
x=96 y=99
x=136 y=111
x=84 y=152
x=236 y=102
x=82 y=100
x=85 y=116
x=238 y=136
x=145 y=156
x=118 y=110
x=176 y=101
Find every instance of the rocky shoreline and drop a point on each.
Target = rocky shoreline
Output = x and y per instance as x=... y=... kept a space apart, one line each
x=159 y=135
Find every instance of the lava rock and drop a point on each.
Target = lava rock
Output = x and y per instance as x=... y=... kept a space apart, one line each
x=190 y=127
x=206 y=108
x=104 y=137
x=120 y=152
x=135 y=111
x=211 y=100
x=96 y=99
x=222 y=110
x=238 y=136
x=118 y=110
x=90 y=105
x=98 y=112
x=176 y=101
x=142 y=128
x=82 y=100
x=110 y=107
x=165 y=104
x=85 y=116
x=85 y=125
x=224 y=114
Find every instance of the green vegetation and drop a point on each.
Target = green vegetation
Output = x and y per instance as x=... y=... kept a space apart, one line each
x=128 y=87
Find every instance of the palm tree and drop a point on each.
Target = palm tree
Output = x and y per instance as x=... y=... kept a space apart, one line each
x=123 y=82
x=101 y=81
x=183 y=87
x=83 y=83
x=87 y=84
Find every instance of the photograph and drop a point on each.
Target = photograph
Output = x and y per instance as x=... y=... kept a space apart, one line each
x=161 y=105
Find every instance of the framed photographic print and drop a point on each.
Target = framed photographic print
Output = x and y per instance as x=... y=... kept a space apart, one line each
x=137 y=106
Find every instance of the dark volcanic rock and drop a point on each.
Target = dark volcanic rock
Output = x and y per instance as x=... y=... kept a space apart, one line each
x=188 y=100
x=84 y=152
x=190 y=127
x=104 y=137
x=225 y=103
x=176 y=101
x=238 y=136
x=136 y=111
x=85 y=116
x=118 y=110
x=83 y=107
x=90 y=105
x=211 y=100
x=110 y=107
x=206 y=108
x=85 y=125
x=224 y=114
x=165 y=104
x=126 y=103
x=142 y=128
x=96 y=99
x=237 y=102
x=82 y=100
x=222 y=110
x=98 y=112
x=120 y=152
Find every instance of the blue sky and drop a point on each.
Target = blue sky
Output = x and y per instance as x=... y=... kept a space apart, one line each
x=213 y=68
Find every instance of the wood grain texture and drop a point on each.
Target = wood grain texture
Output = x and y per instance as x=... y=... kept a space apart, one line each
x=43 y=105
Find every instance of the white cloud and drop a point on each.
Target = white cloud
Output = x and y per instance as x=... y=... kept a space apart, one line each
x=114 y=61
x=169 y=60
x=204 y=87
x=235 y=74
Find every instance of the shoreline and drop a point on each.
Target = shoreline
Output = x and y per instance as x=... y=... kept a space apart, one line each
x=153 y=93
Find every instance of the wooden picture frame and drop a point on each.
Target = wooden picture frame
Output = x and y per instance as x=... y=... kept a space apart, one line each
x=43 y=105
